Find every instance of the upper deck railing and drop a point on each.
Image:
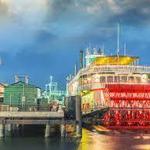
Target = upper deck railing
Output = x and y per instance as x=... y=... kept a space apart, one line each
x=98 y=85
x=115 y=69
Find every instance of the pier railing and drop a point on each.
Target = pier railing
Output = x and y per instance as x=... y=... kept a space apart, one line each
x=30 y=108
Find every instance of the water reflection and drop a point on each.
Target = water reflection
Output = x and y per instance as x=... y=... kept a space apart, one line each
x=116 y=141
x=89 y=141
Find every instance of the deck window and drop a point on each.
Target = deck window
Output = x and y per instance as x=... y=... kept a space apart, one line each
x=102 y=79
x=124 y=79
x=116 y=79
x=110 y=79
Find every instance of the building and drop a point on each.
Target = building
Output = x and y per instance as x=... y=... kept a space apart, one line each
x=2 y=88
x=21 y=94
x=52 y=93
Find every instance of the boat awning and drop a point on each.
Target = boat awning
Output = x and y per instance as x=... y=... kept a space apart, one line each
x=114 y=60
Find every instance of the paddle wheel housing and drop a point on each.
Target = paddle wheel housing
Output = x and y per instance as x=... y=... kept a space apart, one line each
x=129 y=106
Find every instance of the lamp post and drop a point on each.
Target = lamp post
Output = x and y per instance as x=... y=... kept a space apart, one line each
x=23 y=97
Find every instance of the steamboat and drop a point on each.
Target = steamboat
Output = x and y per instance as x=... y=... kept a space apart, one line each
x=117 y=82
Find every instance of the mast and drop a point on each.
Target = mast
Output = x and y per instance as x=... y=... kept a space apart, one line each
x=81 y=59
x=125 y=49
x=75 y=69
x=118 y=39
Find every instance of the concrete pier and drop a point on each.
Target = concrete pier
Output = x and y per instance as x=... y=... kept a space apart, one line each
x=8 y=114
x=12 y=123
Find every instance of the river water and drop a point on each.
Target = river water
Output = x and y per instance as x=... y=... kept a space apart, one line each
x=90 y=141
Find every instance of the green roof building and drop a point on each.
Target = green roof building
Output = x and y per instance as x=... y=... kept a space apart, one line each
x=21 y=94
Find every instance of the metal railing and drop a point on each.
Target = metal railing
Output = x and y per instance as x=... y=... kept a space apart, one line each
x=101 y=85
x=31 y=108
x=116 y=69
x=91 y=86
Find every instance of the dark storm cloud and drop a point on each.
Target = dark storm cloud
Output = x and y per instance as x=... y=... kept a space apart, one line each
x=45 y=36
x=133 y=12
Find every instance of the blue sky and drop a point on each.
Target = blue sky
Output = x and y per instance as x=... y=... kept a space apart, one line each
x=43 y=37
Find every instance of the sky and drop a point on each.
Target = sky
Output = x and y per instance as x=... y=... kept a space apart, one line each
x=43 y=37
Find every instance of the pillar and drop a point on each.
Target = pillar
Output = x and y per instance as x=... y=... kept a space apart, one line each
x=8 y=129
x=15 y=128
x=62 y=130
x=21 y=129
x=2 y=130
x=47 y=131
x=78 y=117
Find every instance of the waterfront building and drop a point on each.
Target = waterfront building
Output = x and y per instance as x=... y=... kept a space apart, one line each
x=21 y=94
x=2 y=87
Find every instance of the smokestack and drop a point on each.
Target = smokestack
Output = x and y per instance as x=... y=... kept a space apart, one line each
x=118 y=39
x=81 y=59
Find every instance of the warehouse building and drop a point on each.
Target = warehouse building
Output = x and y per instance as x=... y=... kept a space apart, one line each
x=22 y=94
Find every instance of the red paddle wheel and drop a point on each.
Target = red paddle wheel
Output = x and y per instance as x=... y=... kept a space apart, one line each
x=129 y=106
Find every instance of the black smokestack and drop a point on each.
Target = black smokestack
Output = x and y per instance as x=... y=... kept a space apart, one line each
x=81 y=59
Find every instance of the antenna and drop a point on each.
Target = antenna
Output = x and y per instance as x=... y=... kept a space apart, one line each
x=88 y=51
x=75 y=69
x=118 y=39
x=81 y=59
x=125 y=49
x=94 y=51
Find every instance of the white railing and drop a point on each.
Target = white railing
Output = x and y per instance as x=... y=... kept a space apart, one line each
x=90 y=86
x=116 y=69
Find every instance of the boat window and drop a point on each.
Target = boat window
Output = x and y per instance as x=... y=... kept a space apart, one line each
x=131 y=78
x=138 y=79
x=124 y=79
x=84 y=81
x=96 y=78
x=88 y=80
x=116 y=79
x=102 y=79
x=110 y=79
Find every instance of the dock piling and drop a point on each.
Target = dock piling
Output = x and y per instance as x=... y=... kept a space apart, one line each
x=2 y=130
x=78 y=117
x=47 y=131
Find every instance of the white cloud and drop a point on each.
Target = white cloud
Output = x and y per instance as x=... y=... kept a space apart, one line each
x=114 y=6
x=27 y=12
